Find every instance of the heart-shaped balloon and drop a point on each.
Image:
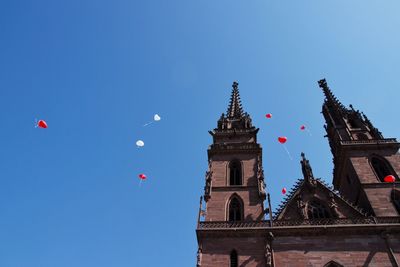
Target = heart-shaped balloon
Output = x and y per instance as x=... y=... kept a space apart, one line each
x=284 y=190
x=389 y=179
x=42 y=124
x=142 y=176
x=282 y=139
x=139 y=143
x=302 y=127
x=268 y=116
x=157 y=117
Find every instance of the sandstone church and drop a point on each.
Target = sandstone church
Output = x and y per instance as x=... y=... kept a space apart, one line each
x=354 y=223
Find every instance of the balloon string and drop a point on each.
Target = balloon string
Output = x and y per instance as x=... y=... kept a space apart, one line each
x=36 y=122
x=287 y=151
x=148 y=123
x=140 y=183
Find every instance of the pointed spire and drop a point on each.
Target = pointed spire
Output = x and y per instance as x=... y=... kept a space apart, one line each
x=307 y=171
x=306 y=167
x=235 y=110
x=331 y=99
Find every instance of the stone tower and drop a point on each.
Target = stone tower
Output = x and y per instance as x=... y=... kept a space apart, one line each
x=234 y=193
x=362 y=157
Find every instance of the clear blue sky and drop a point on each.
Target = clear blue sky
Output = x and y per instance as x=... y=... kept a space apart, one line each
x=96 y=71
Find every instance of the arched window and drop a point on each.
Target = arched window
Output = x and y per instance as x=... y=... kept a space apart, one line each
x=396 y=200
x=362 y=136
x=333 y=264
x=381 y=168
x=234 y=259
x=316 y=210
x=235 y=210
x=235 y=173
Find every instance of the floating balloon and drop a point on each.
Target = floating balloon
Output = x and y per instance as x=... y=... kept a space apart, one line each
x=284 y=190
x=142 y=176
x=139 y=143
x=42 y=124
x=268 y=116
x=389 y=179
x=302 y=127
x=282 y=139
x=155 y=118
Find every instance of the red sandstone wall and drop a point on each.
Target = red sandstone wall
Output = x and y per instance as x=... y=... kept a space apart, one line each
x=221 y=191
x=350 y=251
x=216 y=252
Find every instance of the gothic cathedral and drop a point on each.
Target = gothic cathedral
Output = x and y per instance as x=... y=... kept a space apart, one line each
x=355 y=223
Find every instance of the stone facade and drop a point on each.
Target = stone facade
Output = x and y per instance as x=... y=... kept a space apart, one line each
x=356 y=223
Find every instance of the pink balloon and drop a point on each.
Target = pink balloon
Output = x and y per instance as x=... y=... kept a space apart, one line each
x=282 y=139
x=284 y=190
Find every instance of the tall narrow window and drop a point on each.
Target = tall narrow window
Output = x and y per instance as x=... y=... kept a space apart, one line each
x=396 y=200
x=235 y=173
x=234 y=259
x=316 y=210
x=235 y=210
x=381 y=168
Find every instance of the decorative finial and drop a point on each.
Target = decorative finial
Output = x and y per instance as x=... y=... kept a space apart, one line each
x=307 y=170
x=330 y=97
x=235 y=84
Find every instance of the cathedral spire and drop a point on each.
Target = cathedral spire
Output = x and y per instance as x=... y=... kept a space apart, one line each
x=235 y=118
x=331 y=99
x=235 y=110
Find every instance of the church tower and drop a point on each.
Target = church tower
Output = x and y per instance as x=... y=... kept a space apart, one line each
x=234 y=193
x=362 y=158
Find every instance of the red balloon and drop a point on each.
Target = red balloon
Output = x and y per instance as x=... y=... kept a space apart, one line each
x=284 y=190
x=282 y=139
x=269 y=116
x=142 y=176
x=42 y=124
x=389 y=179
x=302 y=127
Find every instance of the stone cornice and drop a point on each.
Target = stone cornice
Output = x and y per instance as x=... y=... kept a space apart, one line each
x=234 y=188
x=360 y=226
x=234 y=148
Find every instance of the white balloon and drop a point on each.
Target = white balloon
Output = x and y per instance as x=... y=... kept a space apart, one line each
x=139 y=143
x=157 y=117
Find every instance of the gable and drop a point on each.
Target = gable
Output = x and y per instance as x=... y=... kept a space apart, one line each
x=314 y=199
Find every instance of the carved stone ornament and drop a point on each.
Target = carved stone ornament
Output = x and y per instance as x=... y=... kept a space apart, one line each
x=207 y=188
x=332 y=205
x=199 y=251
x=301 y=207
x=307 y=173
x=268 y=250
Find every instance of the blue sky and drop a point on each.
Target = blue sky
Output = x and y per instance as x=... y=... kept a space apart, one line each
x=96 y=71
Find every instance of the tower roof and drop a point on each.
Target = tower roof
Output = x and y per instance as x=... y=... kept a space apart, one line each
x=235 y=119
x=330 y=98
x=235 y=110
